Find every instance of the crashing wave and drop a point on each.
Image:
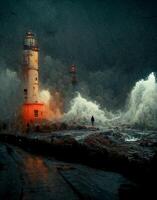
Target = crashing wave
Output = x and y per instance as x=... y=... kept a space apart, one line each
x=142 y=106
x=82 y=109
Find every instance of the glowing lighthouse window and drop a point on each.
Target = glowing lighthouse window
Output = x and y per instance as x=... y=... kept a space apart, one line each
x=35 y=113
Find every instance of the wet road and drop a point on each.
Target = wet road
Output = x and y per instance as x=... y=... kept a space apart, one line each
x=31 y=177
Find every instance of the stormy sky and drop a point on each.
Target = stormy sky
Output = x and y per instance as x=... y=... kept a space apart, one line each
x=113 y=43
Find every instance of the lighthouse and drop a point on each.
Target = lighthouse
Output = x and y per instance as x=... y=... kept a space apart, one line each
x=31 y=68
x=33 y=111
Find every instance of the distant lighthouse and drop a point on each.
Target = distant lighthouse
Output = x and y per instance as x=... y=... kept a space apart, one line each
x=33 y=111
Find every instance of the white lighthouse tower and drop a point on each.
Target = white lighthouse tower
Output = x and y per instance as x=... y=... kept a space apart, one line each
x=31 y=68
x=33 y=111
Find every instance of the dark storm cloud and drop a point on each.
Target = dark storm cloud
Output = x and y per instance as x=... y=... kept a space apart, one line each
x=113 y=43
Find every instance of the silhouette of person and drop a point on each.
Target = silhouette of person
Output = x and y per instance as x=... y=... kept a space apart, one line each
x=92 y=120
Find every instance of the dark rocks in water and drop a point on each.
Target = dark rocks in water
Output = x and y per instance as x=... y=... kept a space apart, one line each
x=149 y=141
x=60 y=126
x=137 y=160
x=120 y=154
x=108 y=150
x=105 y=149
x=63 y=140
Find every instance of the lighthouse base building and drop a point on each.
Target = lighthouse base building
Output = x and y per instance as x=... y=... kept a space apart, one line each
x=33 y=113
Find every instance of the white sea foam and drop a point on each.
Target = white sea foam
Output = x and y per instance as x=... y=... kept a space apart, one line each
x=142 y=105
x=45 y=96
x=82 y=109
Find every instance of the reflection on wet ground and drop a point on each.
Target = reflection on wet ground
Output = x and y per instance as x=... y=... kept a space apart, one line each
x=41 y=179
x=31 y=177
x=37 y=165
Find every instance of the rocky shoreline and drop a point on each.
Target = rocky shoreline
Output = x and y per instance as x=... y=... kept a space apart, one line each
x=108 y=150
